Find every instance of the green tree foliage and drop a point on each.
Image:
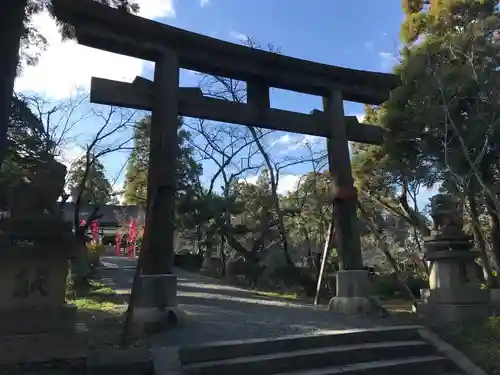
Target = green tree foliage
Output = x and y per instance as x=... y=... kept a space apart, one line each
x=27 y=145
x=443 y=120
x=23 y=42
x=449 y=96
x=310 y=210
x=188 y=169
x=92 y=180
x=137 y=167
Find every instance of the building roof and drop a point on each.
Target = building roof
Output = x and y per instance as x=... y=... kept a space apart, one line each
x=113 y=215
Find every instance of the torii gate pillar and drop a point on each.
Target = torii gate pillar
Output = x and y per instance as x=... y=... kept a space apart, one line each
x=354 y=289
x=157 y=305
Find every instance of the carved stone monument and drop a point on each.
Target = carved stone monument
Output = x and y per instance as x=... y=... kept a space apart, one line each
x=36 y=323
x=454 y=294
x=212 y=264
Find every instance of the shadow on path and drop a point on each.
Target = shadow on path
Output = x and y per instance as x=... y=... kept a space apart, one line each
x=217 y=311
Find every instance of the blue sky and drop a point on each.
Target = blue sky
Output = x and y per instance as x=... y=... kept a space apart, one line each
x=332 y=32
x=328 y=31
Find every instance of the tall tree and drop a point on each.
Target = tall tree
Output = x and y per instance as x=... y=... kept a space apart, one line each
x=25 y=146
x=135 y=185
x=443 y=119
x=18 y=30
x=96 y=186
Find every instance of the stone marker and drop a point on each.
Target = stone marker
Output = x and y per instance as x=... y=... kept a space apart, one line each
x=454 y=294
x=36 y=323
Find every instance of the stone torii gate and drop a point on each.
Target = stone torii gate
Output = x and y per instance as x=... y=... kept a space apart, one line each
x=171 y=49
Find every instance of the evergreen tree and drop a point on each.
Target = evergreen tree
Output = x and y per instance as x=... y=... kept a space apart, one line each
x=443 y=120
x=18 y=31
x=27 y=145
x=92 y=179
x=188 y=169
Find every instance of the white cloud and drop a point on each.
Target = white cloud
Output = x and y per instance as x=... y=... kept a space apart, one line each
x=66 y=66
x=388 y=59
x=204 y=3
x=286 y=183
x=154 y=9
x=284 y=139
x=238 y=36
x=306 y=140
x=251 y=180
x=69 y=154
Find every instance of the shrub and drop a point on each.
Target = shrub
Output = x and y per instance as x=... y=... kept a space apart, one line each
x=94 y=251
x=389 y=286
x=480 y=342
x=188 y=261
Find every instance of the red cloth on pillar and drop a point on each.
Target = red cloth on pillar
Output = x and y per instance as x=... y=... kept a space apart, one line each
x=131 y=238
x=94 y=227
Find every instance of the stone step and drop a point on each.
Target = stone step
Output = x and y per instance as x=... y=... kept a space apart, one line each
x=43 y=347
x=235 y=349
x=339 y=355
x=428 y=365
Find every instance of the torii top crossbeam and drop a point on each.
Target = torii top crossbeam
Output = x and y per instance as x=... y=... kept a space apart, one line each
x=116 y=31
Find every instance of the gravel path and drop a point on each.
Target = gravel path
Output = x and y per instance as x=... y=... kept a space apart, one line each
x=218 y=311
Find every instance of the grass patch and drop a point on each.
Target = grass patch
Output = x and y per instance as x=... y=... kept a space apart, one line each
x=481 y=343
x=398 y=305
x=102 y=311
x=100 y=287
x=400 y=310
x=282 y=295
x=93 y=304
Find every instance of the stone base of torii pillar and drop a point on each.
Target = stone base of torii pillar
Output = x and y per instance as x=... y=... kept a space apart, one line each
x=354 y=295
x=157 y=308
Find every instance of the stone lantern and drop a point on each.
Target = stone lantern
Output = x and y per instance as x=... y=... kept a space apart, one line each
x=454 y=294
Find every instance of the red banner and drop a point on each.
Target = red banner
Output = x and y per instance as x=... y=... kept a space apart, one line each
x=94 y=228
x=131 y=238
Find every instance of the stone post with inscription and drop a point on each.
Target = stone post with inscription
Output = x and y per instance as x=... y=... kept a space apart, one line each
x=454 y=294
x=36 y=322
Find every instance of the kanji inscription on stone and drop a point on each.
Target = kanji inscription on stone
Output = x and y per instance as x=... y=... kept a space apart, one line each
x=29 y=283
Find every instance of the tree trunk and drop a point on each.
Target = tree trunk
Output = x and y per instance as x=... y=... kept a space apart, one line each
x=11 y=28
x=480 y=241
x=81 y=267
x=415 y=217
x=222 y=255
x=276 y=201
x=495 y=230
